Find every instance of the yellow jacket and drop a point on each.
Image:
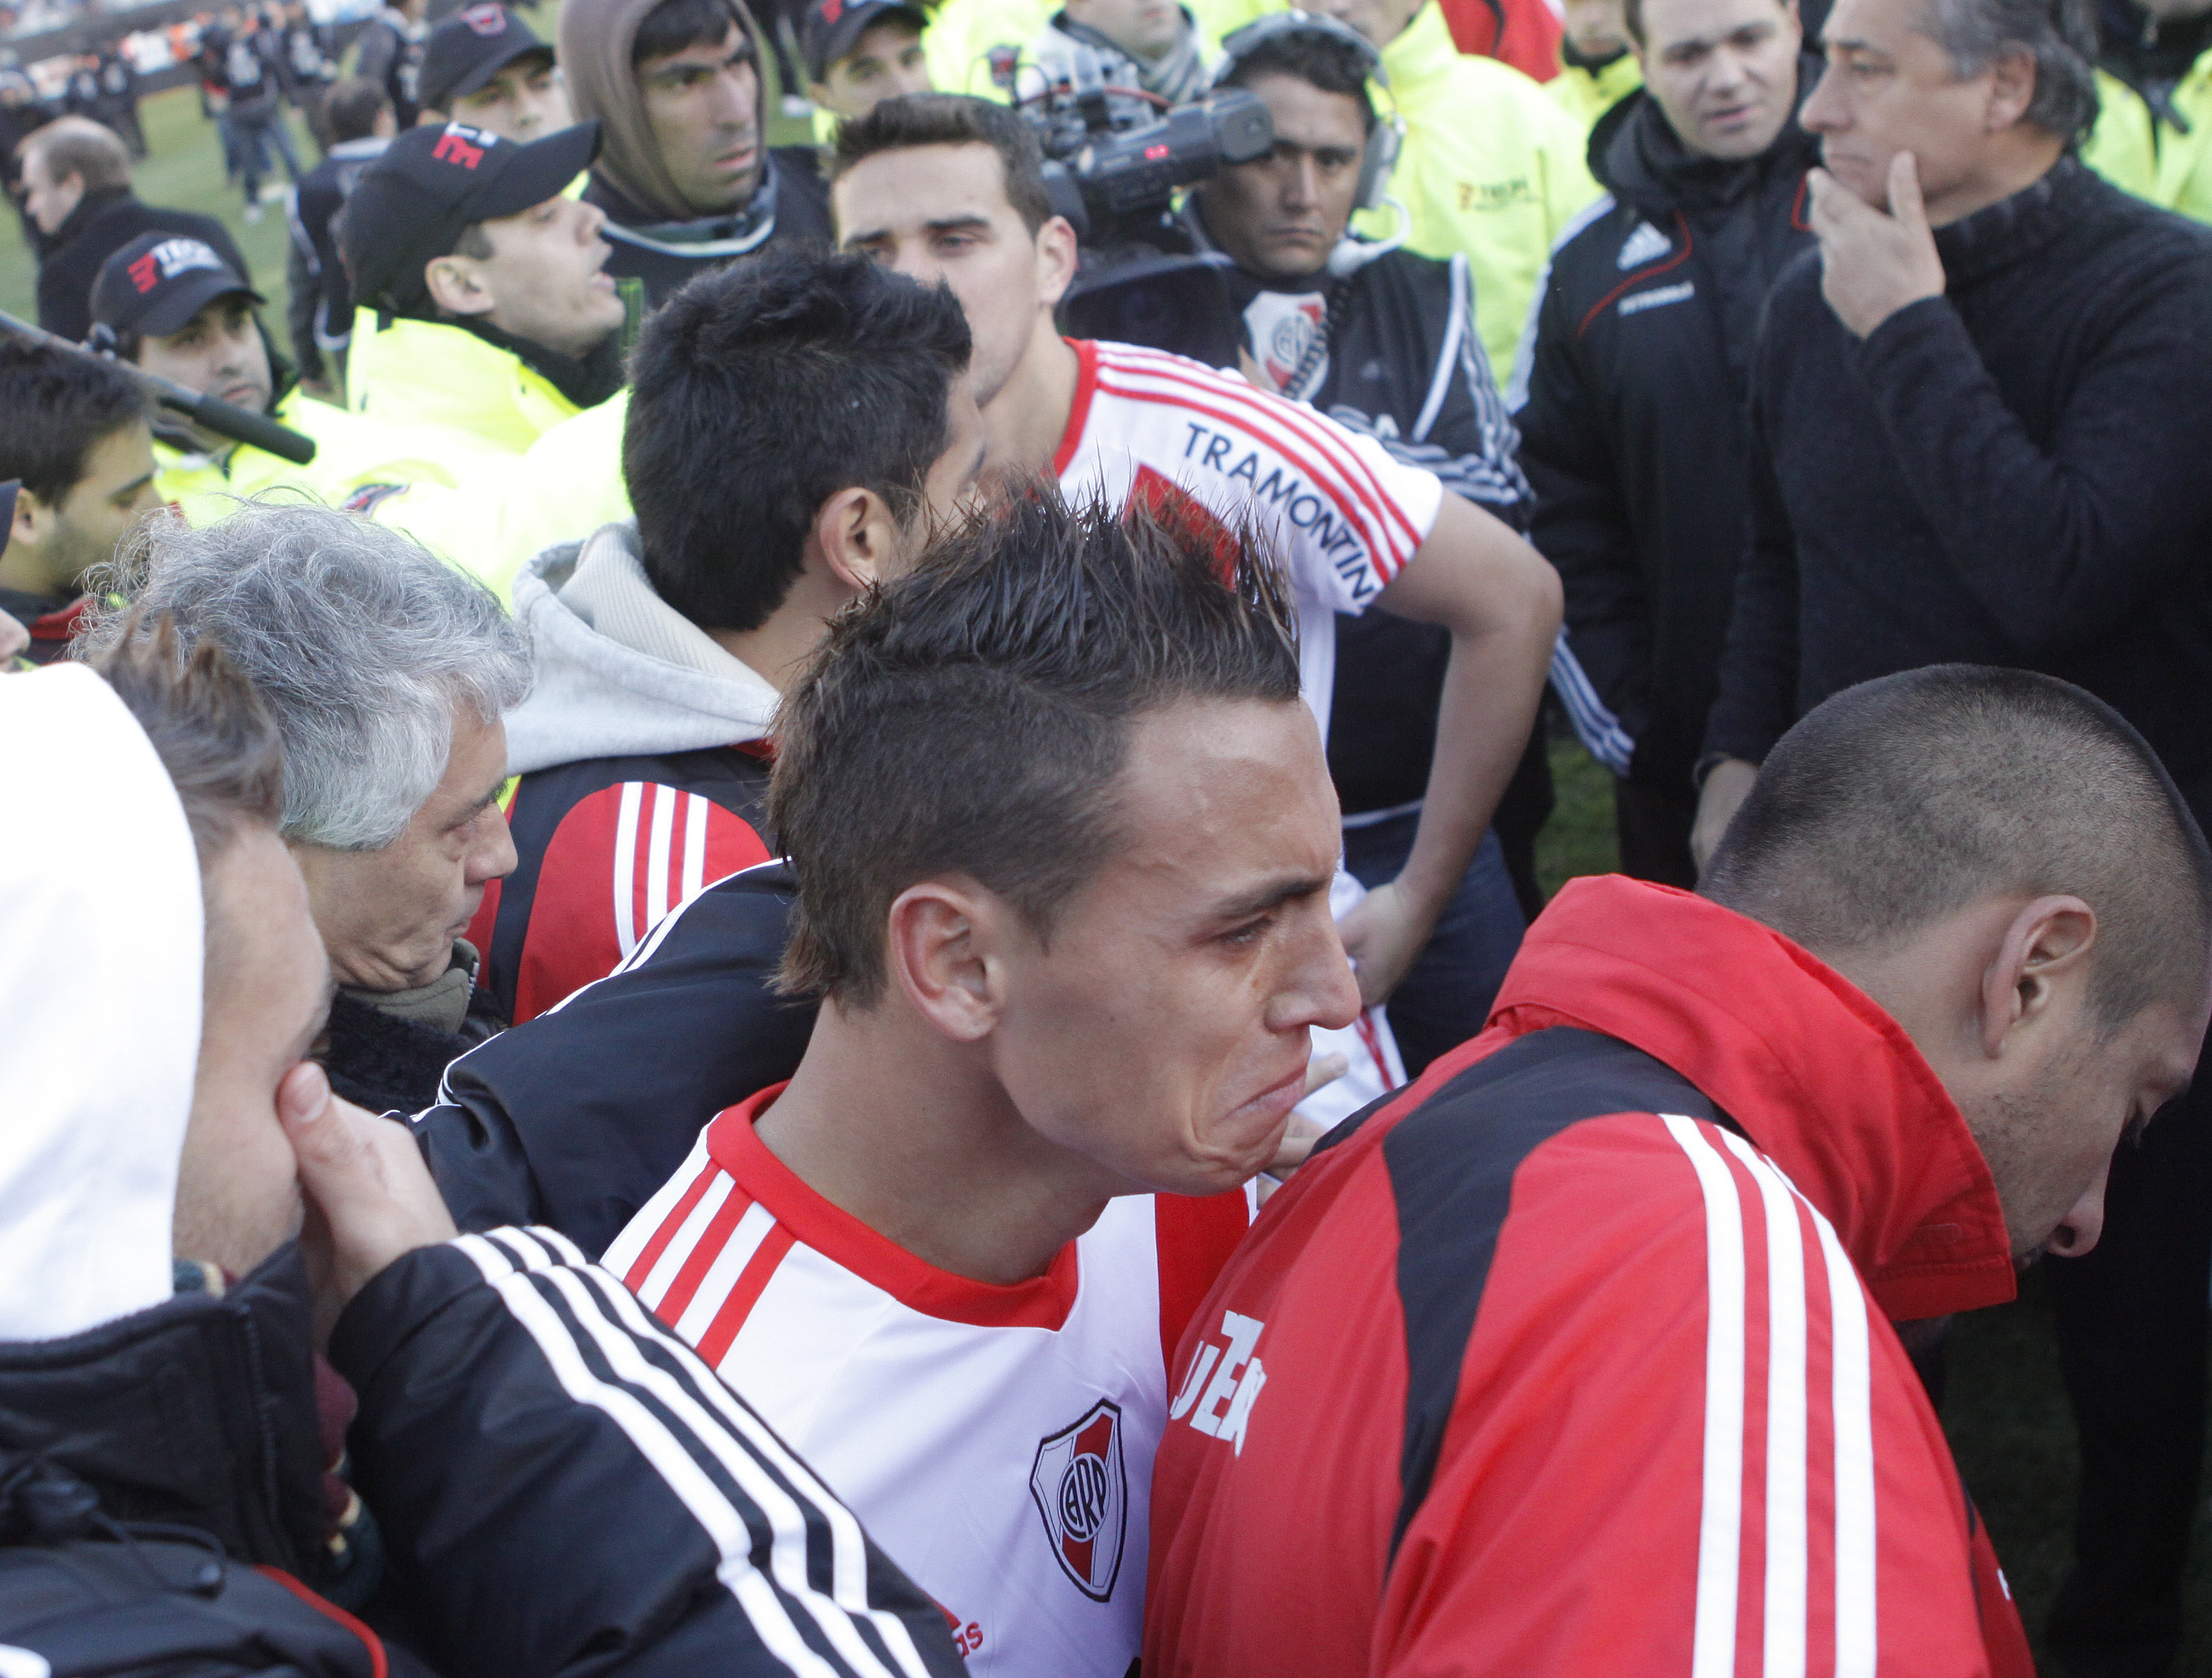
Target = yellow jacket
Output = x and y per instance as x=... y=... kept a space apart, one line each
x=1492 y=167
x=1588 y=94
x=349 y=452
x=2151 y=159
x=566 y=486
x=452 y=390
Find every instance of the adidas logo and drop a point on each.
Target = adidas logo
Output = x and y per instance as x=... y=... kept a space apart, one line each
x=1646 y=243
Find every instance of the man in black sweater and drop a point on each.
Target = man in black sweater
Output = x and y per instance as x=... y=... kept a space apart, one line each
x=76 y=191
x=1631 y=406
x=1982 y=419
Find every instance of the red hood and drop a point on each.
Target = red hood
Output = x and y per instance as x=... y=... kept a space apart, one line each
x=1821 y=1080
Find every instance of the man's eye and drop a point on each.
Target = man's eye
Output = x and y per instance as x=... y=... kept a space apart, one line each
x=1244 y=937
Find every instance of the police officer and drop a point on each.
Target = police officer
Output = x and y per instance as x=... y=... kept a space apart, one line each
x=486 y=316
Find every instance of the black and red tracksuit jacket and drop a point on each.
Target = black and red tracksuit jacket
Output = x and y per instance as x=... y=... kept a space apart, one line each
x=603 y=848
x=1574 y=1358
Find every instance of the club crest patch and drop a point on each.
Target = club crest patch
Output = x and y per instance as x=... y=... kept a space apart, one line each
x=1082 y=1491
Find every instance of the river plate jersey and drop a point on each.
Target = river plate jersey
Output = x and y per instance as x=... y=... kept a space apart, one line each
x=998 y=1441
x=1158 y=430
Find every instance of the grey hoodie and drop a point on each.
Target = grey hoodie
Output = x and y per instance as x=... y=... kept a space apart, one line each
x=619 y=671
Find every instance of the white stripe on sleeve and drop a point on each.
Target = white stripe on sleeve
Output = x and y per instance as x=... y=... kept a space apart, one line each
x=625 y=882
x=510 y=1262
x=1720 y=1525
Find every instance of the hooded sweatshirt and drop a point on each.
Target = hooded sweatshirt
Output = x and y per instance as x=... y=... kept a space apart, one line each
x=644 y=764
x=102 y=876
x=659 y=240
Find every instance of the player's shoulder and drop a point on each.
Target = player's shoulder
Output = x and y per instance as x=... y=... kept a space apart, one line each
x=1158 y=376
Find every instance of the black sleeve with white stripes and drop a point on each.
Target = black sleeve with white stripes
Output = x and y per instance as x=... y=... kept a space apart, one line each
x=564 y=1488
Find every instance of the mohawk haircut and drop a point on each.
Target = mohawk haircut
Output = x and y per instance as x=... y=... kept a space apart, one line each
x=1904 y=799
x=973 y=716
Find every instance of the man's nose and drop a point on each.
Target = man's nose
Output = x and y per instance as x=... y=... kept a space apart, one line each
x=1821 y=113
x=1323 y=989
x=733 y=97
x=1302 y=191
x=2084 y=1223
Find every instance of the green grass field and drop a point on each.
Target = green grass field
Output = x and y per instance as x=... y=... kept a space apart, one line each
x=2007 y=1413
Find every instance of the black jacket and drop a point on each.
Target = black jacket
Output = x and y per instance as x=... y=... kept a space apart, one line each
x=95 y=230
x=652 y=260
x=560 y=1487
x=2013 y=473
x=1633 y=420
x=319 y=308
x=576 y=1118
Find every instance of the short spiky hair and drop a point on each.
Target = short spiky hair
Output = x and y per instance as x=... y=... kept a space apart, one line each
x=953 y=119
x=972 y=718
x=759 y=392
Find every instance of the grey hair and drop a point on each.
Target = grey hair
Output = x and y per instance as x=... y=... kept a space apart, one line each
x=2060 y=35
x=364 y=645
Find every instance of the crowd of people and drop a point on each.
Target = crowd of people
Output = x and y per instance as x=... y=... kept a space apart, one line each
x=758 y=965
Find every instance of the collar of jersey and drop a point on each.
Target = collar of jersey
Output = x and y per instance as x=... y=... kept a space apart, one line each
x=843 y=1239
x=1079 y=411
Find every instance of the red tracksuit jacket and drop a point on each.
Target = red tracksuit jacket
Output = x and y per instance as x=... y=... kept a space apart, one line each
x=1574 y=1360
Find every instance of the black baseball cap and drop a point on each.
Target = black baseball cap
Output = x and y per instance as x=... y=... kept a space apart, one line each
x=431 y=186
x=157 y=283
x=832 y=29
x=470 y=47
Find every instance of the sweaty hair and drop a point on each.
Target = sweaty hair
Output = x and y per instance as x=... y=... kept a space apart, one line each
x=813 y=374
x=352 y=108
x=1334 y=66
x=953 y=119
x=673 y=25
x=972 y=717
x=79 y=146
x=208 y=725
x=1907 y=798
x=2060 y=35
x=55 y=409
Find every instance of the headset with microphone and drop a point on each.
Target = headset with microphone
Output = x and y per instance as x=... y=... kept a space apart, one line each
x=1386 y=132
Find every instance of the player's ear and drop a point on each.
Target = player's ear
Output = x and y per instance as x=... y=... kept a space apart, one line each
x=1056 y=259
x=941 y=950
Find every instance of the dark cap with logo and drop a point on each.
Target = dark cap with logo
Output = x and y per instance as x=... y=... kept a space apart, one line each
x=157 y=283
x=470 y=47
x=834 y=27
x=431 y=186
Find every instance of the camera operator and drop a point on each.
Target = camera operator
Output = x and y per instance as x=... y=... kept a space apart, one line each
x=1382 y=341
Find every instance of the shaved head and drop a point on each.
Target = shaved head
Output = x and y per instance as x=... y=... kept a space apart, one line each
x=1902 y=800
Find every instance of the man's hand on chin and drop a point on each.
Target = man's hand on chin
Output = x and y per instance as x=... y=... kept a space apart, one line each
x=370 y=1198
x=1872 y=265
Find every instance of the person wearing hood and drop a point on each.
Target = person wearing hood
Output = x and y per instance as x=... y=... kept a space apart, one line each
x=172 y=306
x=1381 y=341
x=1154 y=45
x=535 y=1474
x=1598 y=67
x=386 y=671
x=687 y=180
x=662 y=645
x=1633 y=407
x=76 y=192
x=1489 y=165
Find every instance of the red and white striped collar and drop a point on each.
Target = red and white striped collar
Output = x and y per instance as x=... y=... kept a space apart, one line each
x=1041 y=1303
